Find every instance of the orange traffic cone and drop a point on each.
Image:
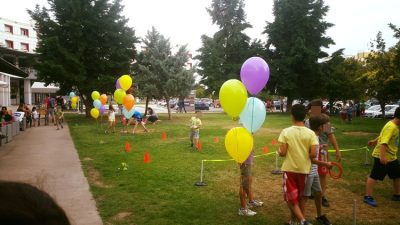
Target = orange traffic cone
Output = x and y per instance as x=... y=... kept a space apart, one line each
x=146 y=157
x=273 y=142
x=163 y=136
x=265 y=149
x=198 y=146
x=127 y=147
x=216 y=140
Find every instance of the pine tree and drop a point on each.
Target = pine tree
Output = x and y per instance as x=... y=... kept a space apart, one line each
x=160 y=73
x=222 y=55
x=83 y=44
x=295 y=39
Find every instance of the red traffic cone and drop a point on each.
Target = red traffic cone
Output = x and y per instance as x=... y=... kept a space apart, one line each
x=273 y=142
x=216 y=140
x=146 y=157
x=163 y=136
x=198 y=146
x=127 y=147
x=265 y=149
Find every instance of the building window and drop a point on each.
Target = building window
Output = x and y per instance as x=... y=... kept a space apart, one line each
x=10 y=44
x=25 y=47
x=24 y=32
x=8 y=28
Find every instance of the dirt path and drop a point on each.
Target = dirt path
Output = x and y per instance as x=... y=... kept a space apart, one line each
x=46 y=158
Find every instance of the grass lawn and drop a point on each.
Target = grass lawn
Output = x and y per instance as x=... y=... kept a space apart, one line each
x=163 y=191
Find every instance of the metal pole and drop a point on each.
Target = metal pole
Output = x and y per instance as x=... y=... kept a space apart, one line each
x=366 y=163
x=354 y=212
x=276 y=171
x=201 y=182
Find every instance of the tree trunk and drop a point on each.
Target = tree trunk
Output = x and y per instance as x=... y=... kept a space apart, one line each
x=289 y=104
x=88 y=105
x=147 y=105
x=331 y=109
x=169 y=109
x=382 y=104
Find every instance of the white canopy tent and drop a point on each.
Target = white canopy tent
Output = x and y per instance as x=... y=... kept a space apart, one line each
x=39 y=87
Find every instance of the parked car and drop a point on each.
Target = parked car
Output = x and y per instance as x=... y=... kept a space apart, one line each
x=390 y=113
x=201 y=106
x=207 y=101
x=217 y=104
x=376 y=112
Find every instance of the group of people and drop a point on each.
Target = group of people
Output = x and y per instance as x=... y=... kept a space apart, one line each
x=136 y=119
x=306 y=164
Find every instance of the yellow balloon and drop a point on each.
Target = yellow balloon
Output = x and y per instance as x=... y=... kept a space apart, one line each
x=94 y=113
x=95 y=95
x=74 y=99
x=239 y=143
x=73 y=105
x=125 y=81
x=119 y=95
x=233 y=97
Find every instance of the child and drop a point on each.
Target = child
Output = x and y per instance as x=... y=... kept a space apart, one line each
x=298 y=145
x=35 y=116
x=313 y=186
x=111 y=119
x=137 y=116
x=326 y=135
x=125 y=124
x=246 y=181
x=385 y=159
x=59 y=117
x=195 y=125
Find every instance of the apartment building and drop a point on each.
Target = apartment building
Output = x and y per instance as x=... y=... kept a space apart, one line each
x=18 y=43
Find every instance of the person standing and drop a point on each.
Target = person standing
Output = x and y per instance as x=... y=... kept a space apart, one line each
x=246 y=190
x=326 y=135
x=298 y=145
x=385 y=159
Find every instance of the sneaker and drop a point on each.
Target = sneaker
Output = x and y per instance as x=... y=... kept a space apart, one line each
x=370 y=201
x=305 y=222
x=246 y=212
x=325 y=202
x=254 y=203
x=322 y=220
x=396 y=198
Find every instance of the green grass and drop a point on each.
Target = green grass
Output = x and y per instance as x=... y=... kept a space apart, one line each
x=163 y=191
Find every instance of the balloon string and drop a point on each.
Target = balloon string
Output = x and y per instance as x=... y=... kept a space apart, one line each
x=252 y=115
x=237 y=144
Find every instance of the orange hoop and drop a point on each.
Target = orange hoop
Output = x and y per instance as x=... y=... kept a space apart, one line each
x=336 y=175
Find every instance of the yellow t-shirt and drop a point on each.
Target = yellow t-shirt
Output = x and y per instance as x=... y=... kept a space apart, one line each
x=389 y=135
x=299 y=140
x=195 y=124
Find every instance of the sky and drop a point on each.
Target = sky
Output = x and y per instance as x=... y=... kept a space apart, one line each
x=184 y=21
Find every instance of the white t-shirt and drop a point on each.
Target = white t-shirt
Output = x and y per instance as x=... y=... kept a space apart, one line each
x=35 y=115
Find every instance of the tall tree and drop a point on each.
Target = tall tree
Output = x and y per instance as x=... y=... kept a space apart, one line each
x=295 y=39
x=382 y=74
x=222 y=55
x=160 y=73
x=84 y=44
x=341 y=78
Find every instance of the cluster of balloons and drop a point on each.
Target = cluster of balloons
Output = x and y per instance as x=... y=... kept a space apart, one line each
x=122 y=85
x=250 y=110
x=74 y=100
x=99 y=102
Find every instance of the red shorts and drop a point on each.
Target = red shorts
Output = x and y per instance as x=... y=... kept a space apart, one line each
x=293 y=186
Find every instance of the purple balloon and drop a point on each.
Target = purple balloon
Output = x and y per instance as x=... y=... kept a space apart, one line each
x=102 y=109
x=254 y=74
x=117 y=84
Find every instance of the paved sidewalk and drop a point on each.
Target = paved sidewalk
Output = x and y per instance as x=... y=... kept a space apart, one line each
x=47 y=158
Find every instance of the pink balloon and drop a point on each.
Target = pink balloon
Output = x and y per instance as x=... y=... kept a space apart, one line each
x=254 y=74
x=117 y=84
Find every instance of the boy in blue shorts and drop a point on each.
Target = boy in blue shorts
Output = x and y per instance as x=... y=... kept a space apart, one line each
x=313 y=185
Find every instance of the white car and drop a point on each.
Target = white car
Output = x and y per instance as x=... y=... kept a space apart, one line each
x=376 y=112
x=390 y=113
